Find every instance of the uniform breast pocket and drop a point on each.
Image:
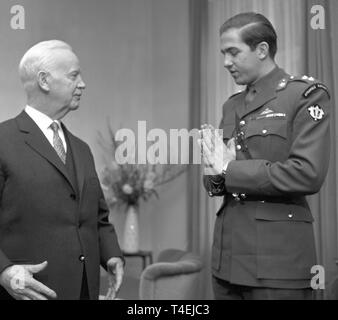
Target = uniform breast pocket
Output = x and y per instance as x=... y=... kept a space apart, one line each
x=267 y=139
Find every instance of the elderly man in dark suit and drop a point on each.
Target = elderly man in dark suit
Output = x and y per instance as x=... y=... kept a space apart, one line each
x=274 y=151
x=54 y=228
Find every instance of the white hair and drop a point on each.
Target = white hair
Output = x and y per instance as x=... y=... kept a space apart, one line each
x=37 y=58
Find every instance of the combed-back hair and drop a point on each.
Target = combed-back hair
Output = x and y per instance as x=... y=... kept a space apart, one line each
x=254 y=29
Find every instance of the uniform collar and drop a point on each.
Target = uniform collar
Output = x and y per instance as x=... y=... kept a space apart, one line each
x=265 y=91
x=269 y=80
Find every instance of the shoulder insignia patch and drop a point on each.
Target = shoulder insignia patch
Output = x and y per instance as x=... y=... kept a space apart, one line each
x=315 y=87
x=316 y=112
x=314 y=84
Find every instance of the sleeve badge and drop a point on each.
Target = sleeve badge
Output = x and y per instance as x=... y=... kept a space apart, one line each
x=316 y=112
x=315 y=87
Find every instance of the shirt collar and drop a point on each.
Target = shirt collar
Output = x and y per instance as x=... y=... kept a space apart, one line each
x=41 y=119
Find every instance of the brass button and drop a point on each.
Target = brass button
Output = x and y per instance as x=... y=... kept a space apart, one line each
x=238 y=147
x=264 y=131
x=236 y=196
x=82 y=258
x=242 y=123
x=290 y=215
x=210 y=194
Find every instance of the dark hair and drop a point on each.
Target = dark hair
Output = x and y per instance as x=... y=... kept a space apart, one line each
x=255 y=29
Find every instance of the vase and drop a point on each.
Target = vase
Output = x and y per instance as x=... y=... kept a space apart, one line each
x=131 y=231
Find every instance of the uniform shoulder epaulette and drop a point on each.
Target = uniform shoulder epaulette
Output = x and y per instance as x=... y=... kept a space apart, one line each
x=235 y=94
x=312 y=82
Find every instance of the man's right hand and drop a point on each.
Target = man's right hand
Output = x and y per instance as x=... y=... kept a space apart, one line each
x=19 y=282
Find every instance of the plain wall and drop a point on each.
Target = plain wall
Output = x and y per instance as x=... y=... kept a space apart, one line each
x=134 y=56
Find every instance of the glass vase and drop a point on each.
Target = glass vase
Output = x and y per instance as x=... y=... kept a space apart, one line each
x=131 y=230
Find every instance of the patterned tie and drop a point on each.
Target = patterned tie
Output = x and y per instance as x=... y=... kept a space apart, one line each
x=57 y=142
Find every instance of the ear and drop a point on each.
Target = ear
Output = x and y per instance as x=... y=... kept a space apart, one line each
x=262 y=50
x=43 y=80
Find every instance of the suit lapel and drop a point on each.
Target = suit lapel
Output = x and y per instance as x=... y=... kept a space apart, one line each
x=37 y=141
x=77 y=157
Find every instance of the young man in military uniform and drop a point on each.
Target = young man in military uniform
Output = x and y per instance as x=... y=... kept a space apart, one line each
x=274 y=151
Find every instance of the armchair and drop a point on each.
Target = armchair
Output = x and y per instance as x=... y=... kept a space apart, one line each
x=175 y=276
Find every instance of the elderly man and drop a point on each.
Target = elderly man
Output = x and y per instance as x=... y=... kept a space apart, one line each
x=275 y=152
x=54 y=229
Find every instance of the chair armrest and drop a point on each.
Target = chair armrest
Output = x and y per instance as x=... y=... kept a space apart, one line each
x=162 y=269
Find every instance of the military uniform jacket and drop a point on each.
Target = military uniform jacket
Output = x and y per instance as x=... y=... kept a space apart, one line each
x=263 y=232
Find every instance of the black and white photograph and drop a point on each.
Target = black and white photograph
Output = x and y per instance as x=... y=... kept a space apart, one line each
x=173 y=150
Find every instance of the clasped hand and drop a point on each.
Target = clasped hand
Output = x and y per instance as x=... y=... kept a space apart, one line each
x=216 y=155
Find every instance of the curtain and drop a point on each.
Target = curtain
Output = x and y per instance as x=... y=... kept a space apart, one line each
x=321 y=63
x=199 y=224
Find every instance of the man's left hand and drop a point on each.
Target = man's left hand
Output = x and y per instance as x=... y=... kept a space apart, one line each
x=215 y=153
x=115 y=276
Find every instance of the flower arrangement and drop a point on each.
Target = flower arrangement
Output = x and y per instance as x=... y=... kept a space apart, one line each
x=126 y=184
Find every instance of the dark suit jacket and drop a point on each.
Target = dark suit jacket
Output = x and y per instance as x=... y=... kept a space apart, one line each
x=41 y=216
x=266 y=237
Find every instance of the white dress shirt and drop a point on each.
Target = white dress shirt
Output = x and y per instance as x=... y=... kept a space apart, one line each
x=44 y=122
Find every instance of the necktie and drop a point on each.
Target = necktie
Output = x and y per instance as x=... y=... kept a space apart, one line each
x=250 y=95
x=57 y=142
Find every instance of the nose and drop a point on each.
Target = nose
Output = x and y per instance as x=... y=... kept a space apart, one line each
x=81 y=84
x=227 y=61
